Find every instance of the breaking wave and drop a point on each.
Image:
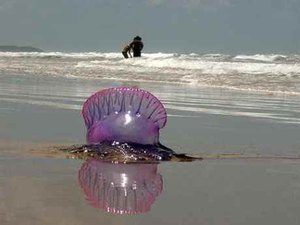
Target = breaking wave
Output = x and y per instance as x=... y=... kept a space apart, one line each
x=270 y=73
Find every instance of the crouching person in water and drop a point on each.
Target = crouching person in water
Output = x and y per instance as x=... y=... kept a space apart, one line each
x=136 y=45
x=126 y=52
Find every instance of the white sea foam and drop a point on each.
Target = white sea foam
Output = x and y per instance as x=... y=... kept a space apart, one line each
x=260 y=57
x=273 y=74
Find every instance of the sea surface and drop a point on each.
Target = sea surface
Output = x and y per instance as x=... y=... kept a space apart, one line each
x=242 y=112
x=271 y=73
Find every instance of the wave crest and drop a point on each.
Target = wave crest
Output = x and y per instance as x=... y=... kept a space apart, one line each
x=275 y=73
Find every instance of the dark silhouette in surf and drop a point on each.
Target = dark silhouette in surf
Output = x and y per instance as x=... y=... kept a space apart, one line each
x=136 y=46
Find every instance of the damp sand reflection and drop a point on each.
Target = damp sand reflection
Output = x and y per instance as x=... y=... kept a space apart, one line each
x=120 y=188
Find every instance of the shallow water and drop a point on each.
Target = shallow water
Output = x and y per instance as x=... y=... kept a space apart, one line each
x=39 y=112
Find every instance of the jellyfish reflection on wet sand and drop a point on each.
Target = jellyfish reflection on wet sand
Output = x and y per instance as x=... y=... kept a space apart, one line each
x=120 y=188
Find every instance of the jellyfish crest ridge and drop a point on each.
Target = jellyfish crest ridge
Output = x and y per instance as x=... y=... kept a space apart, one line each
x=124 y=114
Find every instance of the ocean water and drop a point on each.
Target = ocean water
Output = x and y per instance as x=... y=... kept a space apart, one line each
x=271 y=73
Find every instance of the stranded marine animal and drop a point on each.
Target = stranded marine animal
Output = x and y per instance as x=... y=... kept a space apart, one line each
x=123 y=125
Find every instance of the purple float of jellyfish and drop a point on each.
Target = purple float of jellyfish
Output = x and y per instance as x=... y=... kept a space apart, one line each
x=124 y=114
x=123 y=125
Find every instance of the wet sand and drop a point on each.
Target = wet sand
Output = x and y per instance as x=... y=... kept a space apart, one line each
x=37 y=114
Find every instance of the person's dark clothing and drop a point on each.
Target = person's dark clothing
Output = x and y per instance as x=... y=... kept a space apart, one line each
x=136 y=46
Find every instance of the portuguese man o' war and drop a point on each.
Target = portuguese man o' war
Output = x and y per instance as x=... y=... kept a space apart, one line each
x=123 y=115
x=123 y=125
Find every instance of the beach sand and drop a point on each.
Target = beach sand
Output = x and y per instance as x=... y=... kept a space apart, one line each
x=250 y=174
